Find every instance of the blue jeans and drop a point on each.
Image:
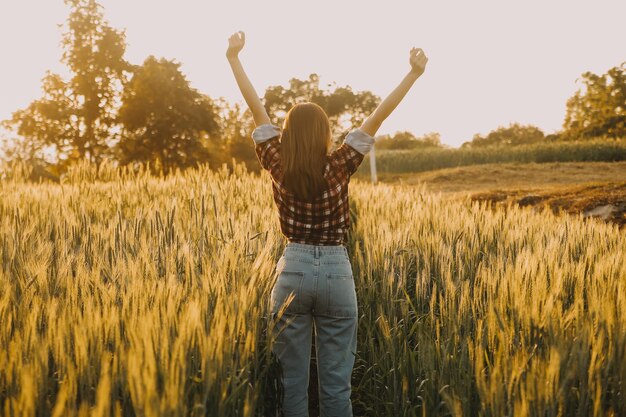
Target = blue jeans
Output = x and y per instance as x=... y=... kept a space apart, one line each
x=321 y=281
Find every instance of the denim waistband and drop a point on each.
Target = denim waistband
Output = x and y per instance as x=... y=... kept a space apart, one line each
x=315 y=249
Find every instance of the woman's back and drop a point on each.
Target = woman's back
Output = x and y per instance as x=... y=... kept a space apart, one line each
x=324 y=219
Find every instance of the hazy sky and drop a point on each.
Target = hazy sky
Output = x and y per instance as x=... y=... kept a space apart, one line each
x=490 y=62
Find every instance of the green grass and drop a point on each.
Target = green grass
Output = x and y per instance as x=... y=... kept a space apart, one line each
x=607 y=150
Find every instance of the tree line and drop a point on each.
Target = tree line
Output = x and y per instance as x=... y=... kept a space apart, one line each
x=149 y=114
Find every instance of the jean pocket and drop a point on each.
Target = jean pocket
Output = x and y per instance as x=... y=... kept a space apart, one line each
x=341 y=293
x=288 y=282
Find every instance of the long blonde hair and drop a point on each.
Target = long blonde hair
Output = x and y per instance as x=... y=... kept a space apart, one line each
x=305 y=144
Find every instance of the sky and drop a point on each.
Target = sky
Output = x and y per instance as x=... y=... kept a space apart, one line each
x=491 y=63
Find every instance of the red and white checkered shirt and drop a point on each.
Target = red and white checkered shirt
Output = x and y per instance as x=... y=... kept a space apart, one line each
x=325 y=220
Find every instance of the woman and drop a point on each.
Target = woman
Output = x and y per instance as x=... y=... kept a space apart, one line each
x=314 y=274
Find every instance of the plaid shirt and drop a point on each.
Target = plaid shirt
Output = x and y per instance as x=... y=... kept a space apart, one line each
x=326 y=220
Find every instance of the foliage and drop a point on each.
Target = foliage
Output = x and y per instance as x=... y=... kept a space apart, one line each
x=513 y=135
x=599 y=110
x=236 y=125
x=419 y=160
x=150 y=296
x=164 y=120
x=76 y=117
x=47 y=122
x=407 y=140
x=345 y=108
x=94 y=53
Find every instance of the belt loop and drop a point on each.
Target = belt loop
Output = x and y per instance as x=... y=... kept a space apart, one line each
x=317 y=252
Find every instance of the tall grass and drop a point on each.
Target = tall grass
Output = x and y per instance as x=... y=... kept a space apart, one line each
x=419 y=160
x=149 y=296
x=466 y=311
x=139 y=297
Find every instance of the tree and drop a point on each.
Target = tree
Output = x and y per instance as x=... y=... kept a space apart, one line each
x=45 y=124
x=164 y=120
x=77 y=118
x=432 y=139
x=237 y=124
x=599 y=110
x=513 y=135
x=345 y=108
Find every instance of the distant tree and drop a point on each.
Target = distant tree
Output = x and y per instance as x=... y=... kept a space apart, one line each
x=47 y=123
x=432 y=139
x=407 y=140
x=345 y=108
x=513 y=135
x=77 y=117
x=164 y=120
x=94 y=52
x=236 y=125
x=599 y=110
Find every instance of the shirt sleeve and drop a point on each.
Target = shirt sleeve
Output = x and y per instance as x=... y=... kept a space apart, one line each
x=267 y=146
x=352 y=151
x=360 y=141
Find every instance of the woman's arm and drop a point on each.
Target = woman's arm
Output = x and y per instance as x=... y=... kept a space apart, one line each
x=235 y=45
x=418 y=64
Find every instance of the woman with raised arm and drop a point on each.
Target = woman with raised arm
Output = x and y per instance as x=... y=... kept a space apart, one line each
x=310 y=190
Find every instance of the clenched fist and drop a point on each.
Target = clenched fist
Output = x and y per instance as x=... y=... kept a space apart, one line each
x=418 y=60
x=235 y=44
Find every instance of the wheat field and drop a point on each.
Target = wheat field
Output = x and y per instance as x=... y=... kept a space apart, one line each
x=123 y=294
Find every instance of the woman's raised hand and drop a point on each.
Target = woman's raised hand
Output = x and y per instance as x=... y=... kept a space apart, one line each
x=235 y=44
x=418 y=60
